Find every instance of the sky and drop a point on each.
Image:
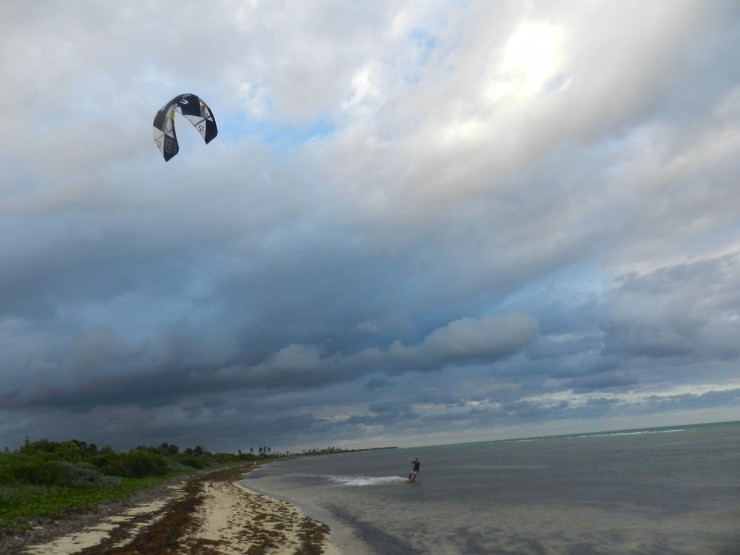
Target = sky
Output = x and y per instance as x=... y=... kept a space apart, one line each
x=422 y=221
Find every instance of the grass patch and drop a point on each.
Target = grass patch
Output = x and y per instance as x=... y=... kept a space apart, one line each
x=21 y=501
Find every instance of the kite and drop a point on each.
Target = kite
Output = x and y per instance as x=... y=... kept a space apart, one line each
x=195 y=110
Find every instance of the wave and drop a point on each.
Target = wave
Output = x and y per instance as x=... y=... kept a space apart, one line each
x=633 y=433
x=593 y=434
x=364 y=480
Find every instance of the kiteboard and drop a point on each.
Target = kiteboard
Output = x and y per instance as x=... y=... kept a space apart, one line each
x=410 y=481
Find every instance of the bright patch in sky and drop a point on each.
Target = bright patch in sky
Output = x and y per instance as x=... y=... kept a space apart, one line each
x=530 y=59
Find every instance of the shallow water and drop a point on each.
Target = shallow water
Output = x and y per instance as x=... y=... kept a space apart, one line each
x=667 y=491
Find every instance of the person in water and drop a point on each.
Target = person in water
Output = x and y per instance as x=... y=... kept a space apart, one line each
x=416 y=465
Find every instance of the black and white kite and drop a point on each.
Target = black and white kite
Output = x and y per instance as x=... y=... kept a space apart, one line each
x=194 y=109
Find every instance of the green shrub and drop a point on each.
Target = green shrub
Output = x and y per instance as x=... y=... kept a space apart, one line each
x=70 y=451
x=6 y=468
x=81 y=476
x=38 y=471
x=106 y=461
x=177 y=466
x=193 y=461
x=140 y=463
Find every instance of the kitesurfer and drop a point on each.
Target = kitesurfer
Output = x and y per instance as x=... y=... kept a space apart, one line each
x=416 y=465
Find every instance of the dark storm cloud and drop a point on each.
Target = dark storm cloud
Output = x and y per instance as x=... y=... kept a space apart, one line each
x=103 y=370
x=689 y=400
x=680 y=309
x=601 y=382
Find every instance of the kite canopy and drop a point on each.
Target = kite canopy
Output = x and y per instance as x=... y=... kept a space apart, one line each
x=194 y=109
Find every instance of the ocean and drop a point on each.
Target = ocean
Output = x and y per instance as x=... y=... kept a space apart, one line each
x=652 y=491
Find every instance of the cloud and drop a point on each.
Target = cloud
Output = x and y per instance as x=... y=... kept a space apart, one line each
x=682 y=309
x=484 y=338
x=502 y=218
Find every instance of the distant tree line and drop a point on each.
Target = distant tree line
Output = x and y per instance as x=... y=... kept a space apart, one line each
x=334 y=450
x=78 y=463
x=324 y=451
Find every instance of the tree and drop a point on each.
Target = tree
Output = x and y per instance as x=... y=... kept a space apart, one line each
x=169 y=449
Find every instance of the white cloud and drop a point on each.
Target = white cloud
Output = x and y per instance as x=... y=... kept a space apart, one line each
x=520 y=200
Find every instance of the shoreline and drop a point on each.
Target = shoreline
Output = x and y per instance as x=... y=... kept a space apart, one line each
x=208 y=513
x=343 y=538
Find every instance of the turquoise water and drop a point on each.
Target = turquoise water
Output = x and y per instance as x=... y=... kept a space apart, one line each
x=668 y=491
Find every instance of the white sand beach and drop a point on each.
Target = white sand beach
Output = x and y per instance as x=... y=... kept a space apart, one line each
x=208 y=514
x=233 y=519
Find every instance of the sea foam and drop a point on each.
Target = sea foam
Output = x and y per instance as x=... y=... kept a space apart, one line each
x=364 y=480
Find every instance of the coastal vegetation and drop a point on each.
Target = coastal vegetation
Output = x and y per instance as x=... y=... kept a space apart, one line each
x=47 y=478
